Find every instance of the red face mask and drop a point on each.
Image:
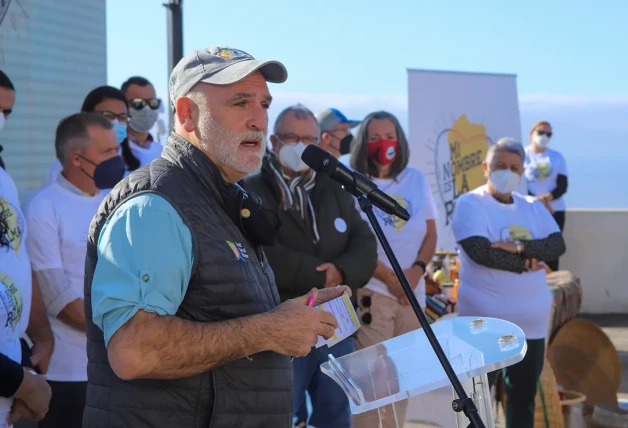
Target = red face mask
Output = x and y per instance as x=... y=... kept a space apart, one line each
x=383 y=152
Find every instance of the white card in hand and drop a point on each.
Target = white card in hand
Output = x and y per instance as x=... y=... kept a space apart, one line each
x=348 y=323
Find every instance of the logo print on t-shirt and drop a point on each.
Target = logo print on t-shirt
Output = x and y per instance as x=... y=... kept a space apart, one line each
x=542 y=170
x=516 y=233
x=393 y=220
x=14 y=222
x=12 y=300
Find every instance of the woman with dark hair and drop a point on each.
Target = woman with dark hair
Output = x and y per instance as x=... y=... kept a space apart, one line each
x=381 y=153
x=112 y=104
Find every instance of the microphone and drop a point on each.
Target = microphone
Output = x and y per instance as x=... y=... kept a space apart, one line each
x=353 y=182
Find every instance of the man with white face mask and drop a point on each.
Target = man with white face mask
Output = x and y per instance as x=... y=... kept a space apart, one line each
x=504 y=239
x=141 y=147
x=323 y=243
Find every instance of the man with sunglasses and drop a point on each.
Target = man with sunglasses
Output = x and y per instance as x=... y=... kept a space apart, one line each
x=141 y=147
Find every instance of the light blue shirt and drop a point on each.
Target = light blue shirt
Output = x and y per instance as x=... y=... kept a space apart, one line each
x=144 y=262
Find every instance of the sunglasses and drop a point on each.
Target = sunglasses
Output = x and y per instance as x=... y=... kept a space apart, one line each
x=122 y=117
x=366 y=318
x=549 y=134
x=140 y=103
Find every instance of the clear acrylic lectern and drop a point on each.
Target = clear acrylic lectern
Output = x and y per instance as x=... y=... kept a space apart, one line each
x=406 y=366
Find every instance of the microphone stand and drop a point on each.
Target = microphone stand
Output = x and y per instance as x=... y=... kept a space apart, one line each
x=463 y=403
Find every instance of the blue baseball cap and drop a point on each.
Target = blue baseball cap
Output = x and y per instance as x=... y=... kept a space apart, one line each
x=329 y=118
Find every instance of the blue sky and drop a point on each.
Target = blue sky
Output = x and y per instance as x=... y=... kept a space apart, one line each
x=570 y=59
x=357 y=47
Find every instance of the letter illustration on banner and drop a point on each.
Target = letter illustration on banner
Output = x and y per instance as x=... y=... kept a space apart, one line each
x=454 y=117
x=459 y=153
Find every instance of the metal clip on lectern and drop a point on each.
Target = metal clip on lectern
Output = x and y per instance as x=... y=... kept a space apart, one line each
x=406 y=366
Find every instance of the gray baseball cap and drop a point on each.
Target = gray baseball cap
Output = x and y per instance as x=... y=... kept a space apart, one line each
x=220 y=66
x=329 y=118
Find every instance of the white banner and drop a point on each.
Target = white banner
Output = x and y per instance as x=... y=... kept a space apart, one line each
x=452 y=118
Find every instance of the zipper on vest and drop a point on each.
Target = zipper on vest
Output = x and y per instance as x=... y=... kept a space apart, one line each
x=259 y=254
x=257 y=248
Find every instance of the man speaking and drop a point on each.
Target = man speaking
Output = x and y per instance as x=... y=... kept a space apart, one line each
x=186 y=326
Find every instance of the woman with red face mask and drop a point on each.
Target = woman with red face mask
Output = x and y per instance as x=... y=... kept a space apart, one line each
x=381 y=153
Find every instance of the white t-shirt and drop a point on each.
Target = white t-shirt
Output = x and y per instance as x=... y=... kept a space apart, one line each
x=15 y=258
x=11 y=306
x=58 y=221
x=541 y=172
x=146 y=155
x=412 y=191
x=523 y=299
x=53 y=173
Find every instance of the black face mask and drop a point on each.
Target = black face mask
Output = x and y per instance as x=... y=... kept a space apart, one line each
x=345 y=144
x=245 y=209
x=107 y=173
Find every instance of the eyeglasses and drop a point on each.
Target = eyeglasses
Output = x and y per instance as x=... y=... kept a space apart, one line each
x=367 y=318
x=333 y=133
x=140 y=103
x=293 y=138
x=122 y=117
x=549 y=134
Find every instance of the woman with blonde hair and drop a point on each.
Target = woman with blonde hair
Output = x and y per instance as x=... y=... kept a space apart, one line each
x=546 y=174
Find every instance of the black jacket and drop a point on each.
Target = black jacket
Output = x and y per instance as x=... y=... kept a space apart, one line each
x=295 y=258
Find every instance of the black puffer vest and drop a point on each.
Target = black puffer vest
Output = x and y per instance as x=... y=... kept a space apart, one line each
x=230 y=279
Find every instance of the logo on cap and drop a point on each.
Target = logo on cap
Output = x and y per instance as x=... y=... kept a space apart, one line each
x=230 y=53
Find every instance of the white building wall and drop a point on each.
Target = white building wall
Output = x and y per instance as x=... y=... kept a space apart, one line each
x=55 y=52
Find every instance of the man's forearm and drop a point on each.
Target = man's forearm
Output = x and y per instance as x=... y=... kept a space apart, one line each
x=39 y=330
x=167 y=347
x=73 y=314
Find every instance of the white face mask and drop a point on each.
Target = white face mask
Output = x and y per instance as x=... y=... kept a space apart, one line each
x=290 y=157
x=541 y=141
x=504 y=181
x=3 y=120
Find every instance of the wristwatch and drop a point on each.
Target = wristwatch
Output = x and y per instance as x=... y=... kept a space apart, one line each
x=420 y=263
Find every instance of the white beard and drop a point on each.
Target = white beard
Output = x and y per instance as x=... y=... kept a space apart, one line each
x=225 y=146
